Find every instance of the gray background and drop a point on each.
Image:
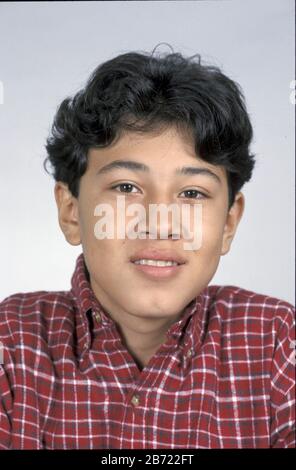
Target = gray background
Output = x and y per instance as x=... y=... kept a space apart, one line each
x=47 y=51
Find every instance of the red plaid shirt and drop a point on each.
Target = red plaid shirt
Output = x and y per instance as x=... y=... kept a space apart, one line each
x=224 y=378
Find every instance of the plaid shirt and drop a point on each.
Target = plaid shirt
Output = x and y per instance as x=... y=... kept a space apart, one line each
x=224 y=377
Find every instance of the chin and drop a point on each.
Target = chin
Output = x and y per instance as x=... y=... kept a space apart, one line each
x=158 y=308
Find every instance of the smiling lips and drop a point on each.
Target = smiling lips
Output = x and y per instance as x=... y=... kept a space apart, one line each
x=158 y=263
x=155 y=262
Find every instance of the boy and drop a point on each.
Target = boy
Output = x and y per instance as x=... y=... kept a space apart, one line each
x=142 y=352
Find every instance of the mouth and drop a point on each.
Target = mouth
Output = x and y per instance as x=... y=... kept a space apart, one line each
x=158 y=264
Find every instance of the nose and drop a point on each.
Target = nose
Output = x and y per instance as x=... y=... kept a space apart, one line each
x=162 y=219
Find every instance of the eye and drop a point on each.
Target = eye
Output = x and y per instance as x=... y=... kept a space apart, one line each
x=194 y=194
x=124 y=187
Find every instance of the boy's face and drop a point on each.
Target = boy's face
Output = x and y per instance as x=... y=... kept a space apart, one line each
x=119 y=284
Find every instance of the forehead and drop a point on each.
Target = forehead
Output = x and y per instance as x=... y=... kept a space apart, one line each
x=162 y=152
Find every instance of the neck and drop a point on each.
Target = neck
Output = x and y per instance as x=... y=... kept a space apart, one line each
x=142 y=336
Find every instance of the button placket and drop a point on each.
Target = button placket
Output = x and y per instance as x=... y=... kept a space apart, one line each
x=188 y=353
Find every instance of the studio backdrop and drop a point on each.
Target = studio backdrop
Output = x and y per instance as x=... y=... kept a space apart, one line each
x=48 y=50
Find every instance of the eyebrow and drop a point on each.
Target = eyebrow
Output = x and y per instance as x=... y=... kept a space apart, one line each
x=136 y=166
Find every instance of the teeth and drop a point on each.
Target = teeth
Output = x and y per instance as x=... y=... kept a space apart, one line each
x=154 y=262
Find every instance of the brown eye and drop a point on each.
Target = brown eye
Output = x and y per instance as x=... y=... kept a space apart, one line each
x=193 y=193
x=124 y=187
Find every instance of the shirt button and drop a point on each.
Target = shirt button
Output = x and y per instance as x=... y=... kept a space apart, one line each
x=85 y=345
x=98 y=316
x=135 y=400
x=189 y=353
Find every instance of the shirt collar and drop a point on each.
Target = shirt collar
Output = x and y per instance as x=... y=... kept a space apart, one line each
x=86 y=303
x=188 y=330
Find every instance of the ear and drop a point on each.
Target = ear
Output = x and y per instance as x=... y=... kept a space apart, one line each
x=232 y=220
x=68 y=215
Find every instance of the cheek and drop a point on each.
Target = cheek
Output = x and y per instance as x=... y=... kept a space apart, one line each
x=107 y=252
x=105 y=263
x=87 y=220
x=212 y=234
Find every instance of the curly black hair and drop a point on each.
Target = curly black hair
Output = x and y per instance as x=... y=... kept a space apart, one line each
x=142 y=92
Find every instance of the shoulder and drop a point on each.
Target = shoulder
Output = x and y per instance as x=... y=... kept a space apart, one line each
x=32 y=313
x=236 y=303
x=23 y=305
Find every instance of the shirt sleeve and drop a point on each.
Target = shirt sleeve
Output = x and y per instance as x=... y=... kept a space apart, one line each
x=283 y=385
x=5 y=410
